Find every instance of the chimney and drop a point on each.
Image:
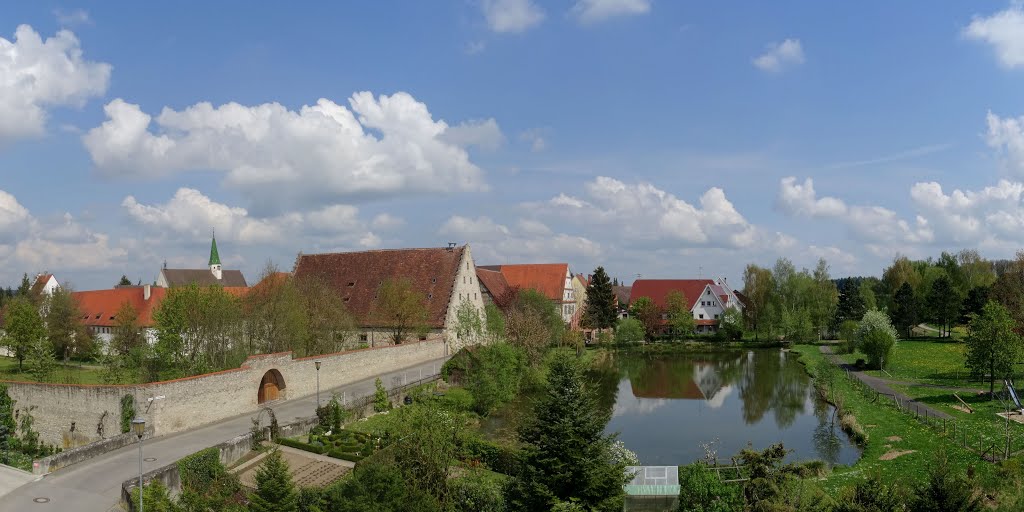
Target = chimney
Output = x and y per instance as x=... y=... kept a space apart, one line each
x=145 y=292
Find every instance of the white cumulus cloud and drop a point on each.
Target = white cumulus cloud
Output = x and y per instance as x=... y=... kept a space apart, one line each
x=871 y=223
x=1004 y=32
x=1006 y=136
x=511 y=15
x=37 y=74
x=643 y=212
x=780 y=56
x=191 y=215
x=484 y=134
x=594 y=11
x=386 y=145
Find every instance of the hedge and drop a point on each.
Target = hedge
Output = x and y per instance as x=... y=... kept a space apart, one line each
x=499 y=458
x=319 y=450
x=200 y=468
x=349 y=456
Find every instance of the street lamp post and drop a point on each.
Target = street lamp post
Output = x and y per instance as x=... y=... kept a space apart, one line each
x=139 y=427
x=317 y=363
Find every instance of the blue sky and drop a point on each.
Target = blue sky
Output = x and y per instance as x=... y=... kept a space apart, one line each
x=667 y=139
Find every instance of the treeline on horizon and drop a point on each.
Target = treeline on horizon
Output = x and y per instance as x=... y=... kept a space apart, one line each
x=947 y=291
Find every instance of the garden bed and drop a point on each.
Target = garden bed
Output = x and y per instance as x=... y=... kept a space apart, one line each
x=343 y=444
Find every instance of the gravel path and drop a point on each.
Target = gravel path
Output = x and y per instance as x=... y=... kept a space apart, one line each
x=882 y=386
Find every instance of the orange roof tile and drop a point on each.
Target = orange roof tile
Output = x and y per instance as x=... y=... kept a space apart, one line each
x=658 y=290
x=546 y=278
x=100 y=306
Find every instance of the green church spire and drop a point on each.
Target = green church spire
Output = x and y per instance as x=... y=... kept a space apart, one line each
x=214 y=256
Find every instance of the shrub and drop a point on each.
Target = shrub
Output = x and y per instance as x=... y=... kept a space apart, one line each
x=702 y=490
x=477 y=492
x=629 y=330
x=872 y=495
x=944 y=490
x=157 y=498
x=456 y=399
x=496 y=457
x=381 y=402
x=495 y=375
x=205 y=482
x=309 y=447
x=876 y=336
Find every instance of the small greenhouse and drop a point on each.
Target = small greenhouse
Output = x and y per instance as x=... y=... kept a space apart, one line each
x=652 y=489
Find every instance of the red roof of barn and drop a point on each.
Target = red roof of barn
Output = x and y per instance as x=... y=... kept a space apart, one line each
x=100 y=306
x=357 y=276
x=546 y=278
x=658 y=290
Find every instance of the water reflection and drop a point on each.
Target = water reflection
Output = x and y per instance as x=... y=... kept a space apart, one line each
x=665 y=406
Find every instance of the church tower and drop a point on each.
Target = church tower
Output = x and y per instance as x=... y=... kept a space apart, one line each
x=215 y=259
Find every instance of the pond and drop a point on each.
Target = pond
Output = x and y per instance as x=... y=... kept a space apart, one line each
x=671 y=408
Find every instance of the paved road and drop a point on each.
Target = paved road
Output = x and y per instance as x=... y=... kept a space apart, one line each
x=11 y=479
x=882 y=386
x=95 y=485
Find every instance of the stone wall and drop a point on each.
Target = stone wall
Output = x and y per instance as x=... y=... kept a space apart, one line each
x=75 y=415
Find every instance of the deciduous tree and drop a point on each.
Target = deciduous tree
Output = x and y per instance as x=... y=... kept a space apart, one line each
x=648 y=313
x=64 y=327
x=758 y=287
x=24 y=328
x=876 y=337
x=680 y=319
x=629 y=330
x=127 y=334
x=400 y=309
x=993 y=346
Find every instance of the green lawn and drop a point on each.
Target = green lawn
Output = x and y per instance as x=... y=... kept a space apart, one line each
x=983 y=426
x=926 y=362
x=889 y=429
x=73 y=373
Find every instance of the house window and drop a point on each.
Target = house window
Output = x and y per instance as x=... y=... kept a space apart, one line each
x=716 y=317
x=460 y=296
x=362 y=337
x=707 y=292
x=433 y=279
x=430 y=295
x=474 y=295
x=351 y=284
x=702 y=316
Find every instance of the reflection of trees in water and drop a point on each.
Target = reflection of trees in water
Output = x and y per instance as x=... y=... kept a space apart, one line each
x=771 y=383
x=604 y=377
x=767 y=381
x=826 y=441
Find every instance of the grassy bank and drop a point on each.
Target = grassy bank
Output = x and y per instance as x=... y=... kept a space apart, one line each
x=889 y=432
x=72 y=373
x=927 y=362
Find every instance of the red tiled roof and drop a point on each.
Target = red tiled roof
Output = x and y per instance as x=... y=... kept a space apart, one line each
x=583 y=279
x=493 y=281
x=658 y=290
x=546 y=278
x=705 y=322
x=100 y=306
x=357 y=276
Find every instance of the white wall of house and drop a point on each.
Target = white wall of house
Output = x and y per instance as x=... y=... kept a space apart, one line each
x=466 y=288
x=568 y=298
x=708 y=307
x=50 y=286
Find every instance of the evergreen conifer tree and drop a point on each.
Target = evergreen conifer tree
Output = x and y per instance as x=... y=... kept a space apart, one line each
x=567 y=455
x=275 y=491
x=600 y=309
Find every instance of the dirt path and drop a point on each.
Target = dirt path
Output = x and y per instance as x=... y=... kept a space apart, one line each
x=882 y=386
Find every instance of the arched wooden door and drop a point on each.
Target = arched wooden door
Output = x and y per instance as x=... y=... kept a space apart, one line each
x=270 y=387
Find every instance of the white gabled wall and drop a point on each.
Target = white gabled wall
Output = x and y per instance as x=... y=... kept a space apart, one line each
x=465 y=288
x=708 y=306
